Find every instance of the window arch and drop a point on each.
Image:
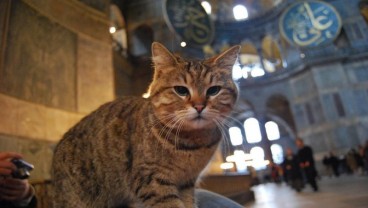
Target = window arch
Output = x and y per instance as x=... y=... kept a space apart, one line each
x=236 y=137
x=258 y=155
x=272 y=130
x=252 y=130
x=272 y=59
x=240 y=12
x=277 y=153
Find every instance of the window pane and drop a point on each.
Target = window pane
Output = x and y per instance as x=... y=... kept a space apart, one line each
x=206 y=6
x=272 y=130
x=277 y=153
x=257 y=154
x=241 y=166
x=240 y=12
x=237 y=72
x=235 y=136
x=252 y=131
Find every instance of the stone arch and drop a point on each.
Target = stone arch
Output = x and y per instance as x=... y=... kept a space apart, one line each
x=279 y=105
x=342 y=40
x=142 y=38
x=243 y=109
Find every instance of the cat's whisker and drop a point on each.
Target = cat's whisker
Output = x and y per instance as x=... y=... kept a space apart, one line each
x=178 y=132
x=226 y=140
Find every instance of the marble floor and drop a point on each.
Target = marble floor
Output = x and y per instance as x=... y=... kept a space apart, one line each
x=343 y=192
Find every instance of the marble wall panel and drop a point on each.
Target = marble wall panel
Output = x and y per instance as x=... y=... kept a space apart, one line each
x=345 y=137
x=299 y=116
x=29 y=120
x=329 y=108
x=101 y=5
x=303 y=85
x=40 y=60
x=329 y=76
x=95 y=74
x=75 y=16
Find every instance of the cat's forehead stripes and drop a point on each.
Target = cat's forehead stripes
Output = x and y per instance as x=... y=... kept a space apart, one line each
x=197 y=73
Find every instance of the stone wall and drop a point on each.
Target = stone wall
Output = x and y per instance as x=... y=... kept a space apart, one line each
x=55 y=67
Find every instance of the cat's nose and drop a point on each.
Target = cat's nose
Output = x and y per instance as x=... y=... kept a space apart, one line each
x=199 y=107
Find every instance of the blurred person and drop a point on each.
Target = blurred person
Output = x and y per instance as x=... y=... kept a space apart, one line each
x=327 y=163
x=335 y=163
x=292 y=172
x=351 y=160
x=365 y=157
x=306 y=163
x=14 y=193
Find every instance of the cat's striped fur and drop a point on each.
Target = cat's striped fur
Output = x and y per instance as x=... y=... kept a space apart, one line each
x=136 y=152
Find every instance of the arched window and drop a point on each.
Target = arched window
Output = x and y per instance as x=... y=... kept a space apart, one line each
x=252 y=131
x=258 y=155
x=238 y=72
x=206 y=6
x=236 y=137
x=250 y=63
x=272 y=130
x=240 y=12
x=277 y=153
x=272 y=59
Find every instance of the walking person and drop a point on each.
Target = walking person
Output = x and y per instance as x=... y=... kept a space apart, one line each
x=292 y=172
x=306 y=163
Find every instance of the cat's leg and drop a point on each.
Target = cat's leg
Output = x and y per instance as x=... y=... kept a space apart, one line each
x=187 y=195
x=160 y=196
x=155 y=192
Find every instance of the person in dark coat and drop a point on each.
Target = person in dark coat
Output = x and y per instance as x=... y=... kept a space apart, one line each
x=334 y=162
x=306 y=163
x=292 y=172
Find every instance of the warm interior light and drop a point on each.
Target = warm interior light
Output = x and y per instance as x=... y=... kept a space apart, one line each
x=227 y=165
x=236 y=137
x=206 y=6
x=238 y=155
x=237 y=72
x=146 y=95
x=183 y=44
x=240 y=12
x=112 y=30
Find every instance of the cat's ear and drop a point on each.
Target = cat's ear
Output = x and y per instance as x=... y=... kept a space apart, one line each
x=161 y=56
x=227 y=58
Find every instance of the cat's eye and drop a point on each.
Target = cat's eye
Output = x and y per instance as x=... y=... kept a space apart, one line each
x=181 y=90
x=214 y=90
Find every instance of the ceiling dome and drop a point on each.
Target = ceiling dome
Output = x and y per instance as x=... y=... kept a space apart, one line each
x=239 y=10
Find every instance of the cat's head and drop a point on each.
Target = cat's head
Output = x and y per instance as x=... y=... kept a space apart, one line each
x=192 y=94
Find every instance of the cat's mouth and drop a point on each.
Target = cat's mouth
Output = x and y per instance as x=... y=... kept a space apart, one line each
x=198 y=118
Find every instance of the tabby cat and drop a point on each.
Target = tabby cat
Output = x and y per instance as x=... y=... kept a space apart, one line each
x=137 y=152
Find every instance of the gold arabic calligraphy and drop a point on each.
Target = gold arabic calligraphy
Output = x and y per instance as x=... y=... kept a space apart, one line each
x=193 y=26
x=315 y=32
